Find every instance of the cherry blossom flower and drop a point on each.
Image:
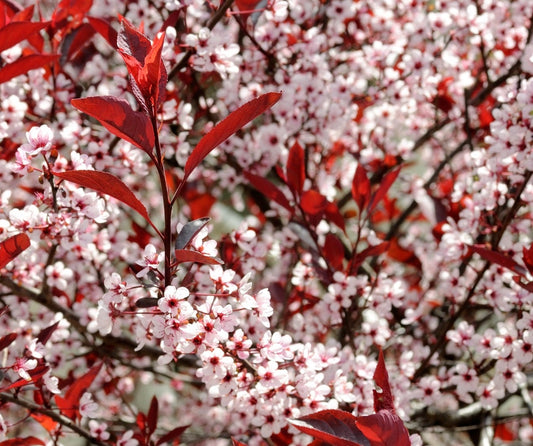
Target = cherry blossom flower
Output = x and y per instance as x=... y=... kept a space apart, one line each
x=59 y=275
x=170 y=302
x=99 y=430
x=22 y=365
x=39 y=140
x=127 y=439
x=150 y=260
x=88 y=408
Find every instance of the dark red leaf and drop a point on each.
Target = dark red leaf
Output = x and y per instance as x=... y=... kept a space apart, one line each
x=24 y=64
x=186 y=255
x=498 y=258
x=24 y=15
x=268 y=189
x=35 y=375
x=371 y=251
x=12 y=247
x=383 y=188
x=296 y=169
x=397 y=252
x=74 y=8
x=227 y=127
x=313 y=203
x=7 y=340
x=16 y=32
x=108 y=184
x=152 y=415
x=105 y=29
x=384 y=428
x=361 y=188
x=76 y=40
x=502 y=431
x=45 y=333
x=383 y=398
x=334 y=251
x=69 y=405
x=334 y=216
x=119 y=118
x=173 y=435
x=22 y=441
x=155 y=72
x=132 y=42
x=146 y=302
x=527 y=257
x=334 y=427
x=189 y=231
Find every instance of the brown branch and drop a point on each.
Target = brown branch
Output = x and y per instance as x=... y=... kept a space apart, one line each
x=64 y=421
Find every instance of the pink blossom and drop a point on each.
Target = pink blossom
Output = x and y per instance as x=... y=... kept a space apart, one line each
x=58 y=275
x=150 y=260
x=88 y=407
x=39 y=140
x=127 y=439
x=170 y=302
x=22 y=365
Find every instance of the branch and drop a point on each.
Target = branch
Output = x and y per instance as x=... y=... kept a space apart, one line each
x=64 y=421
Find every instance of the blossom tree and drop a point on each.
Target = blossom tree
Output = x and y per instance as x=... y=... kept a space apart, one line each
x=264 y=221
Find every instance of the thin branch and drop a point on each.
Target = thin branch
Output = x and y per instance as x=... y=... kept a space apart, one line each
x=64 y=421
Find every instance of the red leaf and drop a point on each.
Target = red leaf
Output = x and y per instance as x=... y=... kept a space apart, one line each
x=46 y=422
x=12 y=247
x=384 y=187
x=75 y=41
x=108 y=184
x=16 y=32
x=227 y=127
x=24 y=15
x=296 y=169
x=527 y=257
x=361 y=188
x=74 y=8
x=173 y=435
x=498 y=258
x=103 y=28
x=45 y=333
x=268 y=189
x=371 y=251
x=35 y=375
x=382 y=400
x=24 y=64
x=7 y=340
x=502 y=431
x=69 y=405
x=22 y=441
x=334 y=251
x=186 y=255
x=397 y=252
x=132 y=42
x=119 y=118
x=334 y=427
x=146 y=302
x=189 y=231
x=152 y=415
x=313 y=203
x=155 y=72
x=333 y=214
x=384 y=428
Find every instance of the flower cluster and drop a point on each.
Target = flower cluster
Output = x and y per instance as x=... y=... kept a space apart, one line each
x=383 y=203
